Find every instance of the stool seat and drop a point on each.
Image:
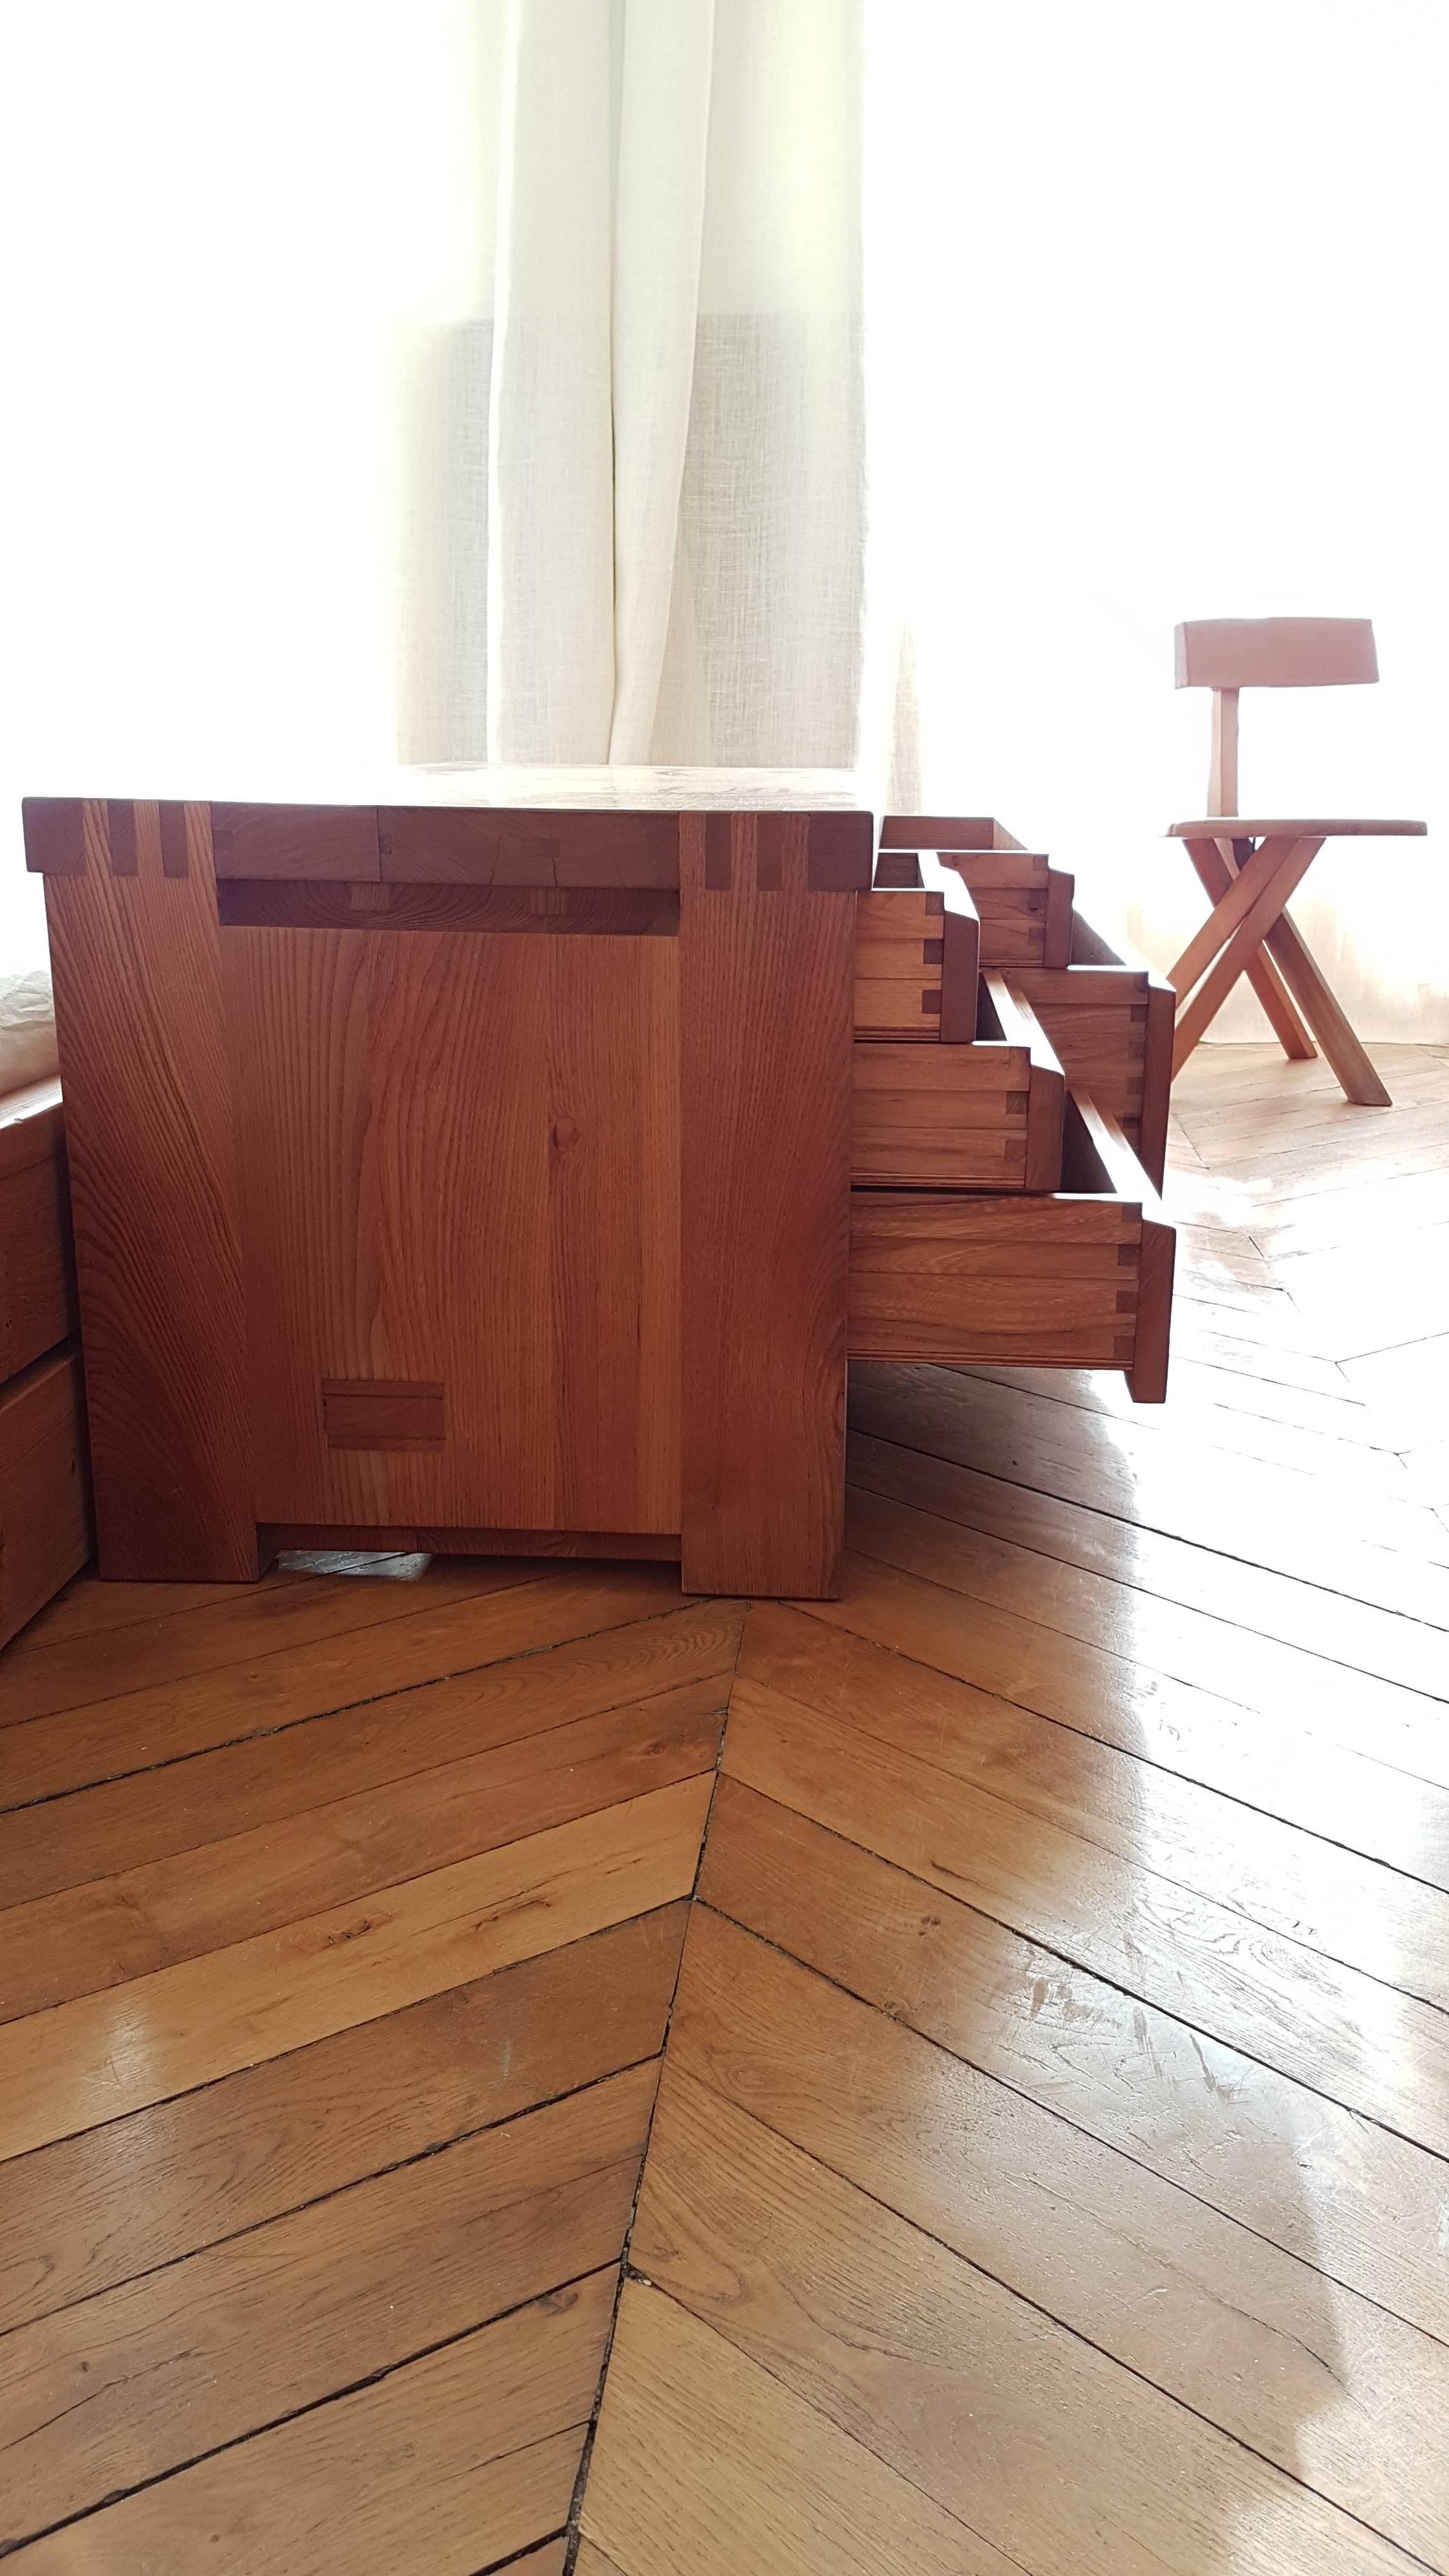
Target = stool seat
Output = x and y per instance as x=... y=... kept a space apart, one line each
x=1239 y=827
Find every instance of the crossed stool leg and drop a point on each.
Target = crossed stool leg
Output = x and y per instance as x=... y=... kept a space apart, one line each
x=1248 y=933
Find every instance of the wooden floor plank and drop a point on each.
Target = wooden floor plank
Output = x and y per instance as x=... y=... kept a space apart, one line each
x=95 y=2059
x=95 y=2210
x=1051 y=2167
x=1409 y=1647
x=1210 y=1401
x=87 y=1606
x=45 y=1755
x=1409 y=1389
x=1388 y=1212
x=1074 y=2466
x=1366 y=2207
x=443 y=2467
x=113 y=1929
x=1360 y=2042
x=145 y=1816
x=1392 y=1721
x=1393 y=1927
x=1312 y=2377
x=103 y=2397
x=246 y=1621
x=1174 y=1724
x=705 y=2462
x=1301 y=1525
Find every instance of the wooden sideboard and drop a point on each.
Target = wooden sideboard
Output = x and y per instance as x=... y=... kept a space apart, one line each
x=515 y=1172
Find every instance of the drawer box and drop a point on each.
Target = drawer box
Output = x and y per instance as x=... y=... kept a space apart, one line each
x=917 y=955
x=1109 y=1019
x=37 y=1282
x=980 y=1117
x=1078 y=1278
x=1024 y=904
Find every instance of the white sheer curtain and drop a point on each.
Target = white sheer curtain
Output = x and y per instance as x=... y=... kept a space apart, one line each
x=445 y=379
x=223 y=230
x=1158 y=297
x=665 y=377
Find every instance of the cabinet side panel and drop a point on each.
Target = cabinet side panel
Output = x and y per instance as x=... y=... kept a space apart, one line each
x=766 y=1011
x=153 y=1183
x=459 y=1160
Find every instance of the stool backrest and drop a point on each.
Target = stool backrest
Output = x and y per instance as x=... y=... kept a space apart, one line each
x=1226 y=654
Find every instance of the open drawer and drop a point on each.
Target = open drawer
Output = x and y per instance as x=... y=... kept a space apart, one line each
x=982 y=1117
x=1023 y=903
x=1109 y=1017
x=1078 y=1278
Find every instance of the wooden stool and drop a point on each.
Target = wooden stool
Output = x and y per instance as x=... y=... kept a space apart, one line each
x=1251 y=867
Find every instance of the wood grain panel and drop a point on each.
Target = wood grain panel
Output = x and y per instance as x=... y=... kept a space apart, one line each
x=92 y=2211
x=440 y=2466
x=767 y=977
x=523 y=845
x=155 y=1201
x=309 y=903
x=98 y=2398
x=295 y=841
x=45 y=1523
x=460 y=1165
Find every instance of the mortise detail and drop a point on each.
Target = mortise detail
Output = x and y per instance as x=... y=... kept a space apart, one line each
x=121 y=837
x=174 y=860
x=382 y=1413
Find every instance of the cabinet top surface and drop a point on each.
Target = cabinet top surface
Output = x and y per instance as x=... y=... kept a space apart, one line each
x=639 y=790
x=465 y=784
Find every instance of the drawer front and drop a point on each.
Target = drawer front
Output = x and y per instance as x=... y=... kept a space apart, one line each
x=1033 y=1282
x=45 y=1534
x=940 y=1117
x=1111 y=1026
x=1076 y=1278
x=37 y=1283
x=899 y=948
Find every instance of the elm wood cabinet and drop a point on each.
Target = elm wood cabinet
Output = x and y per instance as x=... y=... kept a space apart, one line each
x=479 y=1173
x=491 y=1175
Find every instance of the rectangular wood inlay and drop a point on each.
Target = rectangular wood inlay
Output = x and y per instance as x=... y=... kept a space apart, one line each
x=382 y=1413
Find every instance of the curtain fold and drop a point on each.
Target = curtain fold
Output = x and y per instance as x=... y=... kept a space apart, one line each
x=550 y=414
x=668 y=55
x=668 y=387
